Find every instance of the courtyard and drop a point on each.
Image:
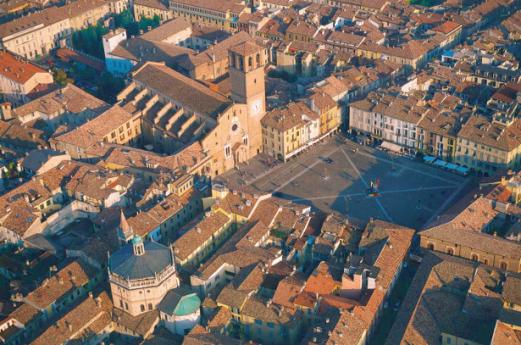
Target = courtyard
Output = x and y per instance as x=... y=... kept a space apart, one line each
x=337 y=175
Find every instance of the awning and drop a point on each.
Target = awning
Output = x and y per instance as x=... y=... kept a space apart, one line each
x=429 y=159
x=440 y=163
x=462 y=170
x=452 y=166
x=391 y=147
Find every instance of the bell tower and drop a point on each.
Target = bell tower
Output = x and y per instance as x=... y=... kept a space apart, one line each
x=247 y=61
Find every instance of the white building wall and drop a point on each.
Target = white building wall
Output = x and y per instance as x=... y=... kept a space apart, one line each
x=111 y=41
x=180 y=324
x=361 y=120
x=139 y=300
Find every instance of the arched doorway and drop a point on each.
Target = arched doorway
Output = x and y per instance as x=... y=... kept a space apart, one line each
x=240 y=153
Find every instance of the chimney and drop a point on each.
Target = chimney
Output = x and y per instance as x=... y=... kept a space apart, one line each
x=6 y=111
x=69 y=325
x=98 y=301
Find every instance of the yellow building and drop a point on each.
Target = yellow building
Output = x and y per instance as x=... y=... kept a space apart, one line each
x=411 y=53
x=268 y=324
x=329 y=111
x=223 y=14
x=152 y=8
x=300 y=30
x=472 y=245
x=114 y=126
x=437 y=131
x=201 y=240
x=488 y=146
x=285 y=131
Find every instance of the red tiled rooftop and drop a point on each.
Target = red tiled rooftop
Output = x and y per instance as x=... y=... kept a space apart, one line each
x=16 y=68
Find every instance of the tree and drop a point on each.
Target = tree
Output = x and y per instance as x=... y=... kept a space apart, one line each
x=124 y=19
x=11 y=170
x=425 y=3
x=89 y=40
x=60 y=77
x=146 y=23
x=108 y=86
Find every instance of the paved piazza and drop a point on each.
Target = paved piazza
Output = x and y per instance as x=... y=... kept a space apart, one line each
x=411 y=193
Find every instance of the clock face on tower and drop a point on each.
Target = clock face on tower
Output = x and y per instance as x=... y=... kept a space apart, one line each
x=256 y=107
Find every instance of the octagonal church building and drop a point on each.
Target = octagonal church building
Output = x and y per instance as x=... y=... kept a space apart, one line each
x=140 y=275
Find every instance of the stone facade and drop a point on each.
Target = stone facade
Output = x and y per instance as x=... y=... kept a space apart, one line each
x=139 y=292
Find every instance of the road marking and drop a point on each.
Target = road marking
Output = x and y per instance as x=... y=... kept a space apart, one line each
x=306 y=169
x=348 y=195
x=382 y=208
x=445 y=204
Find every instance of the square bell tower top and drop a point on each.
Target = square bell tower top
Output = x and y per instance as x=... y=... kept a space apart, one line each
x=247 y=56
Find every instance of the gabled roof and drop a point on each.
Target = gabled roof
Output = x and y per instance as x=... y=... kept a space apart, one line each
x=186 y=92
x=476 y=240
x=17 y=69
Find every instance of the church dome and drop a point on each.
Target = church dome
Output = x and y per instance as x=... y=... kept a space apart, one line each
x=140 y=260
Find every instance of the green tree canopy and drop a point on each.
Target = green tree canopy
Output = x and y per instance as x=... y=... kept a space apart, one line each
x=89 y=40
x=60 y=77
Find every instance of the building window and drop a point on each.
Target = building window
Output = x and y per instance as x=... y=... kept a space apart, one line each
x=474 y=257
x=430 y=246
x=503 y=266
x=227 y=151
x=450 y=251
x=142 y=306
x=149 y=306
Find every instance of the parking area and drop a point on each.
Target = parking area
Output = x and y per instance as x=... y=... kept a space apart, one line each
x=358 y=181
